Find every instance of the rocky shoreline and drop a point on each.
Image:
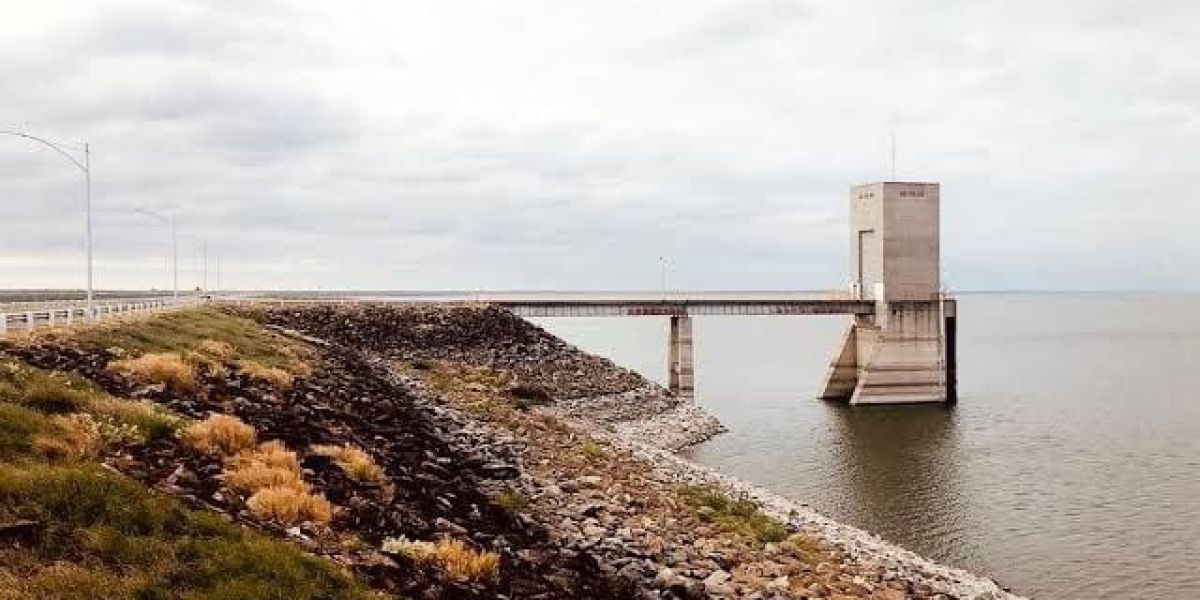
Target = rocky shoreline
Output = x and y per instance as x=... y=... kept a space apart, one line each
x=860 y=546
x=628 y=414
x=656 y=431
x=647 y=414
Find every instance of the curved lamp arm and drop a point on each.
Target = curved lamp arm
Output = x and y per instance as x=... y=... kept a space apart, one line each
x=48 y=144
x=85 y=166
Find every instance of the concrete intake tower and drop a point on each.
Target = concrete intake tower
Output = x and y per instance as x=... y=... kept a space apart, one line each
x=905 y=351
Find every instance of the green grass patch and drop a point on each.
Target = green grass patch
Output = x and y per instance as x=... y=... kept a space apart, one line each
x=102 y=535
x=134 y=420
x=512 y=500
x=741 y=517
x=128 y=542
x=200 y=334
x=50 y=392
x=591 y=449
x=53 y=396
x=18 y=428
x=526 y=395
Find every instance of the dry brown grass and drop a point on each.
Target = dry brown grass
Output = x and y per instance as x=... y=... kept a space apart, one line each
x=459 y=561
x=353 y=461
x=219 y=434
x=251 y=478
x=269 y=465
x=74 y=438
x=217 y=349
x=65 y=581
x=289 y=505
x=270 y=474
x=275 y=454
x=213 y=366
x=168 y=368
x=275 y=376
x=462 y=563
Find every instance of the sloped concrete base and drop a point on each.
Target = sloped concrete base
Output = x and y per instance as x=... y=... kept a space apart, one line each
x=842 y=377
x=896 y=357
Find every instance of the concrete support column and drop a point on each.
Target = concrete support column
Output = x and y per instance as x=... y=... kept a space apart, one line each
x=681 y=375
x=950 y=348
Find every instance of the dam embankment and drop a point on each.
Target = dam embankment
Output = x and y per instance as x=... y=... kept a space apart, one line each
x=640 y=420
x=491 y=460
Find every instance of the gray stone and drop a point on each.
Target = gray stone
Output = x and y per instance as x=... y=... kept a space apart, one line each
x=590 y=481
x=665 y=577
x=716 y=579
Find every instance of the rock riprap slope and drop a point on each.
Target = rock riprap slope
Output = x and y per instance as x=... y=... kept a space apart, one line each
x=479 y=335
x=540 y=365
x=612 y=492
x=410 y=451
x=441 y=476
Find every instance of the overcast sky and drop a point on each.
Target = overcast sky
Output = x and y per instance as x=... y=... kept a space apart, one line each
x=434 y=144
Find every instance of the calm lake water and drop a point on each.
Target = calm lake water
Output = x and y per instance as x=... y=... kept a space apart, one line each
x=1069 y=469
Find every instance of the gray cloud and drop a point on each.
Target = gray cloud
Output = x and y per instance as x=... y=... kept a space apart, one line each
x=545 y=144
x=727 y=23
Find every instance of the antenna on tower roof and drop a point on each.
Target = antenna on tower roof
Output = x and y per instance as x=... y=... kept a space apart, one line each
x=892 y=164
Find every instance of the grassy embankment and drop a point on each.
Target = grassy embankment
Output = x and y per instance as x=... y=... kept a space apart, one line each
x=71 y=528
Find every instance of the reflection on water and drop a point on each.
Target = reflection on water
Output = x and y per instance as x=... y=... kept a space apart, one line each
x=1069 y=469
x=896 y=463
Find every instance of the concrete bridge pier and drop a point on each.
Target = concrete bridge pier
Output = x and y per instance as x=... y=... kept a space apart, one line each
x=681 y=371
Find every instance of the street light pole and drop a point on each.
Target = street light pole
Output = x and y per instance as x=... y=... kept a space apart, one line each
x=174 y=260
x=86 y=167
x=87 y=170
x=662 y=265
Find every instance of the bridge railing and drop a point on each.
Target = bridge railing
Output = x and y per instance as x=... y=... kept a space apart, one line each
x=28 y=316
x=728 y=307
